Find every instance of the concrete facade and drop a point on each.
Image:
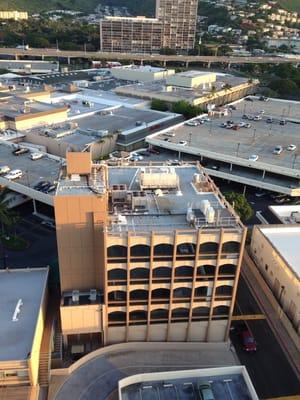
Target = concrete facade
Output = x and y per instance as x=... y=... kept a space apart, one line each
x=178 y=18
x=274 y=249
x=151 y=277
x=133 y=35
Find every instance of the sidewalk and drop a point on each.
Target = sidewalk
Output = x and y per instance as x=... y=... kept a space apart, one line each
x=265 y=297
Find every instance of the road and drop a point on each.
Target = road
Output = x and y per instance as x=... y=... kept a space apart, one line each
x=145 y=57
x=268 y=368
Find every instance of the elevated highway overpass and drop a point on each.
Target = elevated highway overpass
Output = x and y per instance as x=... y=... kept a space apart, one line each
x=93 y=55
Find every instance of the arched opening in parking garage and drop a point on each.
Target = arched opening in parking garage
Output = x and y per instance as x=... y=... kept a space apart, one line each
x=221 y=311
x=227 y=269
x=208 y=248
x=204 y=270
x=117 y=295
x=117 y=316
x=117 y=251
x=140 y=250
x=162 y=272
x=224 y=290
x=182 y=292
x=184 y=271
x=185 y=249
x=180 y=312
x=200 y=312
x=160 y=293
x=138 y=315
x=231 y=247
x=163 y=249
x=201 y=291
x=117 y=274
x=159 y=313
x=139 y=273
x=139 y=294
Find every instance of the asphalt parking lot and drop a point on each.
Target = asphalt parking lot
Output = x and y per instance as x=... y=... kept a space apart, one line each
x=260 y=139
x=33 y=171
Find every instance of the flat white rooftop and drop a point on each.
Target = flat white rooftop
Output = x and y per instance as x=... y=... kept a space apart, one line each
x=29 y=285
x=286 y=241
x=193 y=74
x=287 y=214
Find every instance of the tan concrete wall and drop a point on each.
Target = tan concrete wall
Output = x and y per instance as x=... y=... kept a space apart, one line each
x=81 y=319
x=75 y=219
x=158 y=332
x=78 y=163
x=277 y=274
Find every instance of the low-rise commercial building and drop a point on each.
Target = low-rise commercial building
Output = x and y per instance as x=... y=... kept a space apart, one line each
x=26 y=110
x=14 y=14
x=130 y=35
x=23 y=308
x=145 y=254
x=275 y=251
x=145 y=73
x=30 y=66
x=197 y=88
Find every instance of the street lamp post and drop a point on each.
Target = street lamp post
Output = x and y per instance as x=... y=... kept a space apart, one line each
x=294 y=161
x=237 y=149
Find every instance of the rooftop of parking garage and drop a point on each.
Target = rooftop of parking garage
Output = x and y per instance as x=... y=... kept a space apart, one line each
x=225 y=383
x=44 y=169
x=235 y=146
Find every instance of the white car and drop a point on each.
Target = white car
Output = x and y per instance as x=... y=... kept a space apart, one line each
x=278 y=150
x=183 y=142
x=191 y=123
x=257 y=118
x=253 y=157
x=242 y=124
x=14 y=174
x=291 y=147
x=4 y=169
x=36 y=156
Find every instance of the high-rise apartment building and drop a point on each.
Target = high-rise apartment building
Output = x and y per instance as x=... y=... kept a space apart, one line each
x=173 y=27
x=147 y=253
x=130 y=35
x=178 y=18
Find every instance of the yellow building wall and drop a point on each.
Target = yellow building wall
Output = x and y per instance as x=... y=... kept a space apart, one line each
x=38 y=120
x=36 y=345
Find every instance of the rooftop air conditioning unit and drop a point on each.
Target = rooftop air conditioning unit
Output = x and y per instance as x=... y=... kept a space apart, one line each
x=75 y=296
x=93 y=295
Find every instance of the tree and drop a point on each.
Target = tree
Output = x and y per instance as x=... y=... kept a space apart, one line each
x=166 y=51
x=6 y=215
x=240 y=205
x=285 y=87
x=159 y=105
x=186 y=109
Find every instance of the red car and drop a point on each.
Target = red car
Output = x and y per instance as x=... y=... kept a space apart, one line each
x=249 y=343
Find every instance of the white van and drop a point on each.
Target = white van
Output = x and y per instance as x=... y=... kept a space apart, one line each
x=14 y=174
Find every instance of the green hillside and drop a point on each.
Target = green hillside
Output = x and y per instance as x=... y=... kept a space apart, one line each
x=291 y=5
x=135 y=6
